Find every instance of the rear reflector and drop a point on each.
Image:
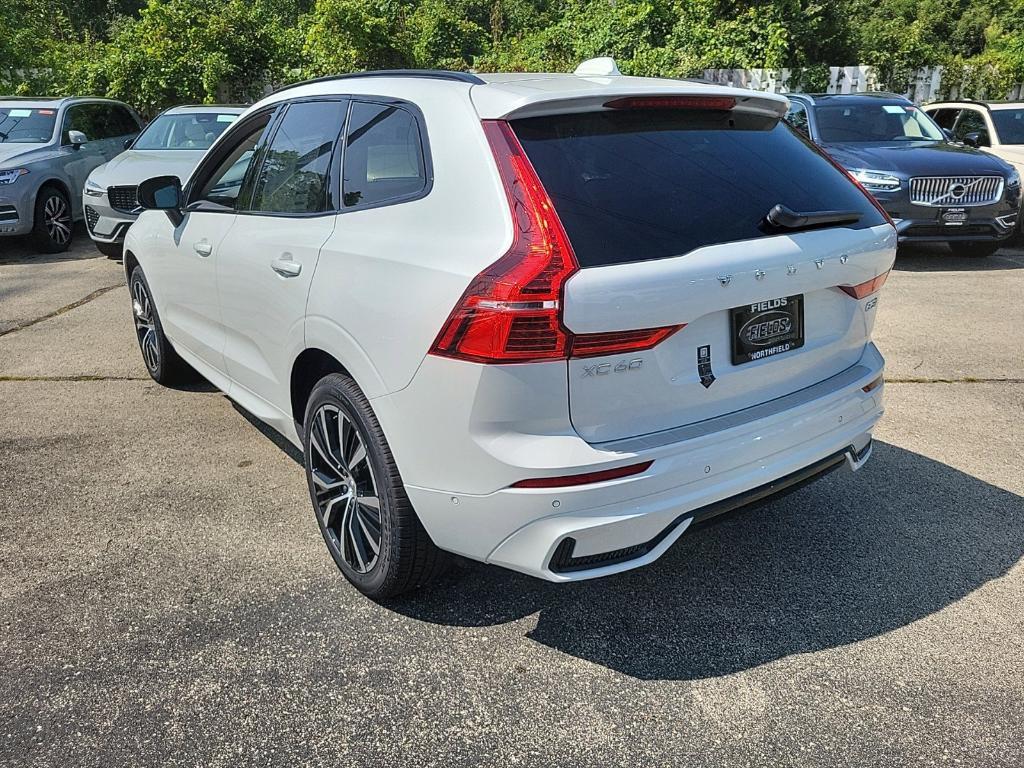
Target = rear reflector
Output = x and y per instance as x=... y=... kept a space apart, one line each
x=720 y=103
x=865 y=289
x=512 y=311
x=873 y=385
x=585 y=479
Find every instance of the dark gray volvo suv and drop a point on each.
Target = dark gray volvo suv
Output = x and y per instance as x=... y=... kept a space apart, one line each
x=934 y=189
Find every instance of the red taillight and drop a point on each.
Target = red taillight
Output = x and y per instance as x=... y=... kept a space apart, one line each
x=720 y=103
x=585 y=479
x=862 y=290
x=511 y=312
x=614 y=342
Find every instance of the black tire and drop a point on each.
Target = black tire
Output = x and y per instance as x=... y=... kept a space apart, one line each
x=406 y=558
x=159 y=357
x=974 y=250
x=52 y=223
x=110 y=250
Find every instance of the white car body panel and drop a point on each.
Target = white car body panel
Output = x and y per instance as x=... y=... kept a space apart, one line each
x=377 y=284
x=1011 y=153
x=663 y=389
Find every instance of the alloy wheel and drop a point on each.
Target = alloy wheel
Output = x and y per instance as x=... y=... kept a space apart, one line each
x=57 y=219
x=347 y=500
x=145 y=326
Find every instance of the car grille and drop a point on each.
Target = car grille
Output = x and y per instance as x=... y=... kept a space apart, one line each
x=8 y=213
x=91 y=218
x=955 y=190
x=123 y=198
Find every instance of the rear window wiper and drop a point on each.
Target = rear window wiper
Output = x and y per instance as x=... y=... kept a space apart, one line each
x=783 y=217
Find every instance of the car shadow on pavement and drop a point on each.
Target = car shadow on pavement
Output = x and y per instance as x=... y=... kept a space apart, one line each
x=938 y=258
x=268 y=432
x=845 y=559
x=20 y=250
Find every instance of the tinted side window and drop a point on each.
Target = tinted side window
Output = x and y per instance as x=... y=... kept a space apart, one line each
x=223 y=186
x=103 y=121
x=971 y=121
x=121 y=121
x=651 y=184
x=944 y=117
x=797 y=117
x=384 y=159
x=294 y=177
x=80 y=117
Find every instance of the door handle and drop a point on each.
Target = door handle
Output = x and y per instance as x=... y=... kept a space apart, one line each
x=285 y=267
x=203 y=248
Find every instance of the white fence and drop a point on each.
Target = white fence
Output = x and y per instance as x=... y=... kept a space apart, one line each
x=924 y=86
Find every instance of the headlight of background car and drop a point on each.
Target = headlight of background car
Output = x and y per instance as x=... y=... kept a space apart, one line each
x=9 y=177
x=92 y=189
x=876 y=181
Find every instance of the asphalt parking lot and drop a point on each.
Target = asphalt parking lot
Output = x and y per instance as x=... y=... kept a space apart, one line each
x=166 y=599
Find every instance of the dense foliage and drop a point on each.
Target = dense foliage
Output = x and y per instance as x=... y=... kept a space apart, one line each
x=159 y=52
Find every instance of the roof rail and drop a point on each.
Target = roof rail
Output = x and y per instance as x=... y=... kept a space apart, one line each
x=977 y=102
x=431 y=74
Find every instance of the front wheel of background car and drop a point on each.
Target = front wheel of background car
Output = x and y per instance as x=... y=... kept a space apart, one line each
x=110 y=250
x=52 y=223
x=974 y=250
x=364 y=514
x=162 y=362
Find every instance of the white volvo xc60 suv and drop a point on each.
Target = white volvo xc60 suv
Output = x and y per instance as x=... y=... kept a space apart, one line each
x=544 y=321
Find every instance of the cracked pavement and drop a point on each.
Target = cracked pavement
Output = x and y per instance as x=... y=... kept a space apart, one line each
x=166 y=599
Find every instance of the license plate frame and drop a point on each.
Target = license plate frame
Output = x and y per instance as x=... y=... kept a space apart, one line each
x=954 y=217
x=766 y=328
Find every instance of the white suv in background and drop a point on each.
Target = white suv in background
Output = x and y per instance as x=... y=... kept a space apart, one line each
x=994 y=126
x=172 y=144
x=543 y=321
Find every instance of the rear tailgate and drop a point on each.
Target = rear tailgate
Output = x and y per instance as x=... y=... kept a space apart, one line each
x=665 y=211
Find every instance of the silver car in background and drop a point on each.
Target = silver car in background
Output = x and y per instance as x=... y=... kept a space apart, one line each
x=171 y=145
x=48 y=147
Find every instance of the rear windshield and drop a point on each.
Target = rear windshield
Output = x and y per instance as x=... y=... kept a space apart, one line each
x=650 y=184
x=23 y=125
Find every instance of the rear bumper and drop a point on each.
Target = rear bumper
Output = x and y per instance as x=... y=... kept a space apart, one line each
x=704 y=471
x=564 y=559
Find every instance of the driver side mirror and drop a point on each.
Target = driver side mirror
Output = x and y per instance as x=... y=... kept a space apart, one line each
x=128 y=142
x=77 y=139
x=163 y=193
x=976 y=139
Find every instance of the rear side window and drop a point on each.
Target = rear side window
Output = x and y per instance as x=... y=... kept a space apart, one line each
x=384 y=159
x=643 y=184
x=295 y=174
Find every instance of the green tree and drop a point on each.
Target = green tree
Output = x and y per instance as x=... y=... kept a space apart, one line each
x=351 y=35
